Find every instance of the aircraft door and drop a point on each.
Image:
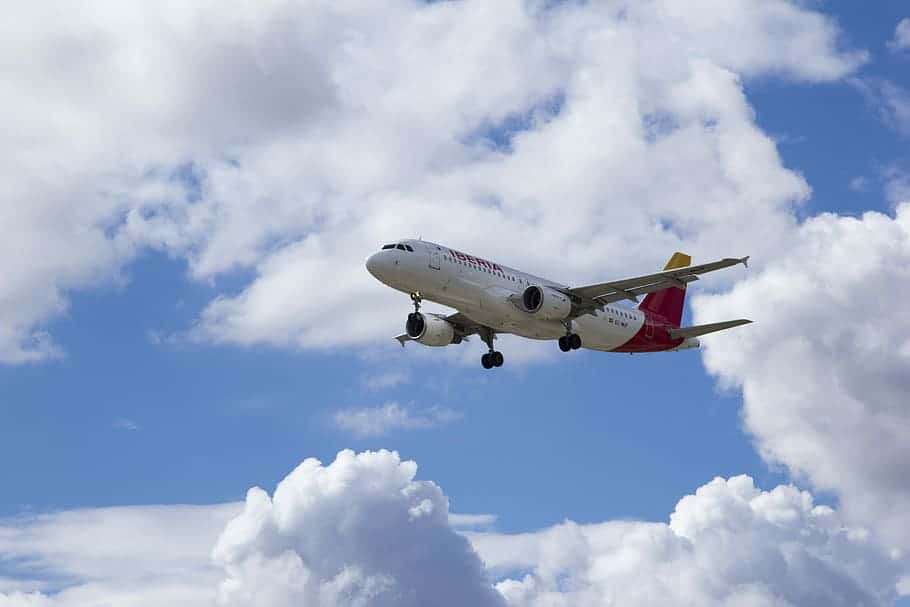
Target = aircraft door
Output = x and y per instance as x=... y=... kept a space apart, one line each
x=434 y=259
x=649 y=330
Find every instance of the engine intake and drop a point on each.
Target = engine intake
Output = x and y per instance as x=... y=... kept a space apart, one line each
x=546 y=303
x=430 y=330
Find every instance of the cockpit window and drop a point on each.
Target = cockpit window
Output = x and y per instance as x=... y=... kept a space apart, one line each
x=399 y=246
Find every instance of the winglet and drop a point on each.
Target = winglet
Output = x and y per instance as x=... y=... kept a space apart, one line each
x=403 y=338
x=745 y=260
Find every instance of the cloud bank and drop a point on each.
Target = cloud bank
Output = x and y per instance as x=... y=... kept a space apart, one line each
x=364 y=531
x=825 y=380
x=291 y=139
x=728 y=544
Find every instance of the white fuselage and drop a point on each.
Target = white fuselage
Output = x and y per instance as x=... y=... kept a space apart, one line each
x=488 y=293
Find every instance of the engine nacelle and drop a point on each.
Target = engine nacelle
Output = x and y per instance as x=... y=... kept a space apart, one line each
x=546 y=303
x=430 y=330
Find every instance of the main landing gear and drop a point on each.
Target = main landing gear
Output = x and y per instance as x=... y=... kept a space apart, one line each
x=569 y=341
x=492 y=358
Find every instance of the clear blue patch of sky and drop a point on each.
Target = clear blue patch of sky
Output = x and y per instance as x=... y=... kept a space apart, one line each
x=499 y=135
x=830 y=132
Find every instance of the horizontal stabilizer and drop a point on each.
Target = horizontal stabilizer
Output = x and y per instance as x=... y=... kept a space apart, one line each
x=705 y=329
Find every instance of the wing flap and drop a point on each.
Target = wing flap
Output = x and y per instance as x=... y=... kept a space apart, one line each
x=609 y=292
x=667 y=278
x=592 y=297
x=705 y=329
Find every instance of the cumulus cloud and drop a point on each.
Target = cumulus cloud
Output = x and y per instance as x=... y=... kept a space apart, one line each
x=824 y=373
x=901 y=40
x=363 y=531
x=360 y=531
x=728 y=544
x=291 y=139
x=378 y=421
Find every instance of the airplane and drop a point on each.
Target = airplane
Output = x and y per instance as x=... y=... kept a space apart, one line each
x=491 y=299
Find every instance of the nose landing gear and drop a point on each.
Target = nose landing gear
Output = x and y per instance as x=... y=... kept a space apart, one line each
x=492 y=358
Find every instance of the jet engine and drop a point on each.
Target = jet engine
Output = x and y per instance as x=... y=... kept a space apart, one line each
x=546 y=303
x=430 y=330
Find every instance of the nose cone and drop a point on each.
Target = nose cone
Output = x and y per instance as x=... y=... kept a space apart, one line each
x=375 y=265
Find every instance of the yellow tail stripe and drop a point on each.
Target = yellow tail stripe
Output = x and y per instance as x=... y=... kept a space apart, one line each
x=679 y=260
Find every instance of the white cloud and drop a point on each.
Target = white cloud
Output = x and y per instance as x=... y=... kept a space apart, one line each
x=123 y=423
x=138 y=556
x=472 y=521
x=901 y=40
x=729 y=544
x=891 y=101
x=823 y=370
x=385 y=380
x=363 y=531
x=897 y=185
x=360 y=531
x=292 y=139
x=859 y=184
x=378 y=421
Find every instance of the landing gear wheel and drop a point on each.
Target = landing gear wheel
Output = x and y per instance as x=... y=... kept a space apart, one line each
x=574 y=341
x=492 y=358
x=564 y=343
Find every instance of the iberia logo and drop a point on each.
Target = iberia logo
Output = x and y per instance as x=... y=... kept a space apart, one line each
x=475 y=260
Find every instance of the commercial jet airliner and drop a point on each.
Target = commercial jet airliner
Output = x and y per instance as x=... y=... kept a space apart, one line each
x=492 y=298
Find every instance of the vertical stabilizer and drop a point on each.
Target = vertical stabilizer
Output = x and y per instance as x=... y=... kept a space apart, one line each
x=668 y=302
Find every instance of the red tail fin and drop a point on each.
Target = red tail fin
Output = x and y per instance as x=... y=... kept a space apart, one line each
x=668 y=302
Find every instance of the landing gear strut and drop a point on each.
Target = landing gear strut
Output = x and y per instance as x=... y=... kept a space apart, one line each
x=492 y=358
x=416 y=297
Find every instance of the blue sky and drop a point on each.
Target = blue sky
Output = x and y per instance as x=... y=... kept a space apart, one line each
x=153 y=402
x=210 y=422
x=830 y=133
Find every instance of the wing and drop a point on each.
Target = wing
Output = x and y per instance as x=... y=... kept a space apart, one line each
x=464 y=327
x=593 y=297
